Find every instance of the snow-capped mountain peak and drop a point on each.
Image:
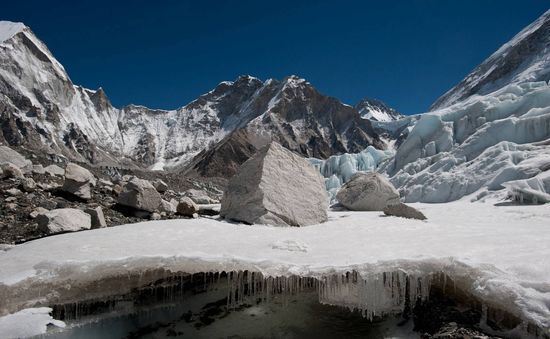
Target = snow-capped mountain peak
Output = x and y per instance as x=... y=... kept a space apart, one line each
x=377 y=110
x=8 y=29
x=525 y=58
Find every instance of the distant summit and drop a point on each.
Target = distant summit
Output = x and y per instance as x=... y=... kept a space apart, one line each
x=377 y=110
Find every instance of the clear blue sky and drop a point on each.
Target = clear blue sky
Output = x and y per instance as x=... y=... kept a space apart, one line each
x=163 y=54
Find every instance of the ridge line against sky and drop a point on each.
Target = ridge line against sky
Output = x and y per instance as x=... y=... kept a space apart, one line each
x=164 y=55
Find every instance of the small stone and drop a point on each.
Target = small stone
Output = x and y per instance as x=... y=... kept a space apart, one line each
x=38 y=169
x=155 y=216
x=37 y=211
x=104 y=182
x=11 y=207
x=97 y=216
x=167 y=207
x=28 y=185
x=54 y=171
x=14 y=192
x=160 y=186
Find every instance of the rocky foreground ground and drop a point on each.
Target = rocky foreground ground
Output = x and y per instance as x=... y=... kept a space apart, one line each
x=43 y=195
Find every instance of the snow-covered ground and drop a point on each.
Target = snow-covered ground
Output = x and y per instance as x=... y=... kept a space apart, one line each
x=501 y=250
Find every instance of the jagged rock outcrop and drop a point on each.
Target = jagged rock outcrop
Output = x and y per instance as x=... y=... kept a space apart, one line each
x=367 y=192
x=276 y=187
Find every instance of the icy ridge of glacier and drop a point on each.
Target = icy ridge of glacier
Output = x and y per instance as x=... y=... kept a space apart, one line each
x=338 y=169
x=480 y=143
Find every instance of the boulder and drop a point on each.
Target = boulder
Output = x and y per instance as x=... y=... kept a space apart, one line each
x=54 y=170
x=187 y=207
x=28 y=185
x=8 y=155
x=155 y=216
x=199 y=197
x=168 y=207
x=140 y=194
x=97 y=217
x=64 y=220
x=160 y=186
x=367 y=192
x=404 y=211
x=78 y=181
x=276 y=187
x=10 y=170
x=38 y=169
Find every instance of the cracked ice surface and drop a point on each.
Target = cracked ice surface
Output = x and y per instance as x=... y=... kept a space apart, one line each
x=501 y=250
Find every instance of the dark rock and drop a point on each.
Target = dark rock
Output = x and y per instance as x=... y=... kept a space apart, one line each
x=404 y=211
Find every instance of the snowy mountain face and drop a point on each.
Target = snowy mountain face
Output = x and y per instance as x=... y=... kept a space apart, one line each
x=525 y=58
x=42 y=109
x=293 y=113
x=377 y=110
x=479 y=144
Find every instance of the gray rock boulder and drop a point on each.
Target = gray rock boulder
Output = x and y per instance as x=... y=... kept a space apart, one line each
x=199 y=197
x=404 y=211
x=187 y=207
x=140 y=194
x=78 y=181
x=367 y=192
x=160 y=186
x=28 y=185
x=38 y=169
x=276 y=187
x=168 y=207
x=64 y=220
x=97 y=217
x=8 y=155
x=54 y=170
x=10 y=170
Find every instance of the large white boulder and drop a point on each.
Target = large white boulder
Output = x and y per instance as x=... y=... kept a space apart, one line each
x=140 y=194
x=367 y=192
x=78 y=181
x=276 y=187
x=64 y=220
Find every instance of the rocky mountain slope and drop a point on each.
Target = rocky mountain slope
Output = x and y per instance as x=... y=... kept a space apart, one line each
x=525 y=58
x=42 y=109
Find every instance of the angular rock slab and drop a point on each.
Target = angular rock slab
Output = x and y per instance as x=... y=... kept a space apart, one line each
x=276 y=187
x=140 y=194
x=64 y=220
x=367 y=192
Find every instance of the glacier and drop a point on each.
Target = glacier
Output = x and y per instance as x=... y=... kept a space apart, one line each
x=475 y=145
x=348 y=256
x=338 y=169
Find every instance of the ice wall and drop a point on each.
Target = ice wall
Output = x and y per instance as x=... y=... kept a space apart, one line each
x=338 y=169
x=480 y=143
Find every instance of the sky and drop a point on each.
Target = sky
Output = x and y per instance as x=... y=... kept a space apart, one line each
x=164 y=54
